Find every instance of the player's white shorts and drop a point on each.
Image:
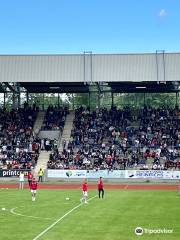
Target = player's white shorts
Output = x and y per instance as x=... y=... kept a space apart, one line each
x=33 y=191
x=85 y=194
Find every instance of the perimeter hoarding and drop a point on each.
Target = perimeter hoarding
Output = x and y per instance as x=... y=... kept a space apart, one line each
x=116 y=174
x=12 y=173
x=152 y=174
x=85 y=174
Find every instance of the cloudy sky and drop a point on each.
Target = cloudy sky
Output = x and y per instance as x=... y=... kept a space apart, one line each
x=100 y=26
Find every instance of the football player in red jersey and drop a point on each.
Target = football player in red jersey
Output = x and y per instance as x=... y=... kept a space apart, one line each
x=33 y=188
x=101 y=187
x=85 y=191
x=30 y=177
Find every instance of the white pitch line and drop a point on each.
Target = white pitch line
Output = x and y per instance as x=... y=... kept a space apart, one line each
x=22 y=215
x=60 y=219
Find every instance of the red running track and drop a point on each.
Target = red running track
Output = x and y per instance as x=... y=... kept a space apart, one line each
x=110 y=187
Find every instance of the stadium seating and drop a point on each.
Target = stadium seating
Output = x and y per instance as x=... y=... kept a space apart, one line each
x=55 y=118
x=121 y=139
x=19 y=149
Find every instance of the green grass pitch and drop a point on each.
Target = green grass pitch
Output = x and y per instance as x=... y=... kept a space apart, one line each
x=112 y=218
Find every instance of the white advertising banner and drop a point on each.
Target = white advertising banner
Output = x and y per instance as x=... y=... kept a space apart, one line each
x=152 y=174
x=155 y=174
x=171 y=174
x=116 y=174
x=85 y=174
x=66 y=173
x=106 y=174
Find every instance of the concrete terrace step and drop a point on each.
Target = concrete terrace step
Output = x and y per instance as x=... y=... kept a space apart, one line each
x=42 y=162
x=67 y=129
x=39 y=122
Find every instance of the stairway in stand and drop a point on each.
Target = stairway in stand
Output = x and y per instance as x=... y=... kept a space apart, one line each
x=38 y=122
x=44 y=155
x=42 y=162
x=67 y=129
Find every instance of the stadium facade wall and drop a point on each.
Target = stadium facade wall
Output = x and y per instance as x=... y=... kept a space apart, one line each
x=90 y=67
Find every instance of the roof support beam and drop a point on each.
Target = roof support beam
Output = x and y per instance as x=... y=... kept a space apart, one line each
x=99 y=87
x=13 y=88
x=2 y=88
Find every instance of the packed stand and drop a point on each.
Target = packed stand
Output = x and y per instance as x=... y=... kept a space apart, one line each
x=19 y=149
x=120 y=139
x=159 y=135
x=49 y=144
x=55 y=118
x=97 y=142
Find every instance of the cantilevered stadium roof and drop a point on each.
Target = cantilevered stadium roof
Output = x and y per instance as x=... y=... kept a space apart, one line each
x=155 y=72
x=115 y=87
x=84 y=68
x=55 y=87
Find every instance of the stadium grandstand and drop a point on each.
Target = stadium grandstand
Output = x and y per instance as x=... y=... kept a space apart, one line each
x=93 y=136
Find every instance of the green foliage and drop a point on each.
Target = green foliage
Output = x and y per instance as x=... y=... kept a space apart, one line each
x=80 y=99
x=46 y=99
x=95 y=99
x=161 y=99
x=134 y=100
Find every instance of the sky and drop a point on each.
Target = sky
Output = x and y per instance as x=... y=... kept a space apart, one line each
x=100 y=26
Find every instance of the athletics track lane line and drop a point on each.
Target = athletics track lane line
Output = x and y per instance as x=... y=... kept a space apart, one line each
x=60 y=219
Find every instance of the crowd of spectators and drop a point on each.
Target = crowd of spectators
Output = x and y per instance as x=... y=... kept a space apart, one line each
x=48 y=144
x=100 y=139
x=19 y=148
x=55 y=118
x=160 y=136
x=121 y=139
